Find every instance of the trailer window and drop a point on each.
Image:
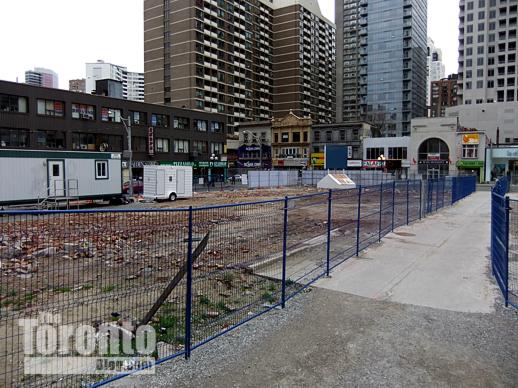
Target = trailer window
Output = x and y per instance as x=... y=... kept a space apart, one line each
x=101 y=169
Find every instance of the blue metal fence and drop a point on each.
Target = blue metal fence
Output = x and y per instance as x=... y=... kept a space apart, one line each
x=93 y=265
x=504 y=241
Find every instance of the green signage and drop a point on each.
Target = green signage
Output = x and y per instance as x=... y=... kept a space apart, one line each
x=197 y=164
x=470 y=163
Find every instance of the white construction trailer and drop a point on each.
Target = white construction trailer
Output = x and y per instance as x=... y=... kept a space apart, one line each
x=167 y=182
x=34 y=176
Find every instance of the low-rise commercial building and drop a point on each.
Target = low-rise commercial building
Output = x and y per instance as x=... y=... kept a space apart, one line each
x=53 y=119
x=255 y=145
x=348 y=134
x=291 y=141
x=441 y=147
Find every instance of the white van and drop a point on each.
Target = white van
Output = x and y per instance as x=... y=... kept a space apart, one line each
x=167 y=182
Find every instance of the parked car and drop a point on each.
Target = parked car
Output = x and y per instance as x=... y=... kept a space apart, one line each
x=138 y=187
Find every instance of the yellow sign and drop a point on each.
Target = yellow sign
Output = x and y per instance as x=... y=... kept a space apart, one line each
x=317 y=159
x=472 y=138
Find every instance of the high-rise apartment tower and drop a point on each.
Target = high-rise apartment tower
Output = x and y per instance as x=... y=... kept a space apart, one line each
x=381 y=62
x=487 y=51
x=248 y=59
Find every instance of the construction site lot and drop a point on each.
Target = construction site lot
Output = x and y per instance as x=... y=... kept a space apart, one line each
x=108 y=266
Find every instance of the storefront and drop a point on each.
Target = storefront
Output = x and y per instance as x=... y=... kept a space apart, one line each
x=471 y=167
x=501 y=161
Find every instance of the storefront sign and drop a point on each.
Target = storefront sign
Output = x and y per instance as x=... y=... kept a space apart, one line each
x=317 y=159
x=434 y=156
x=471 y=138
x=150 y=141
x=349 y=152
x=354 y=163
x=433 y=162
x=373 y=163
x=197 y=164
x=470 y=164
x=142 y=163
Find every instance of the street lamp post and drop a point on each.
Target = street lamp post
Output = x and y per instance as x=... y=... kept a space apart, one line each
x=260 y=148
x=212 y=158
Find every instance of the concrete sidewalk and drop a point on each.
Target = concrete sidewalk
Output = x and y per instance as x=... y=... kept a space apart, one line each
x=440 y=262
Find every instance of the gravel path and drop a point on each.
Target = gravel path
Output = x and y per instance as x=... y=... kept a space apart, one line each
x=332 y=339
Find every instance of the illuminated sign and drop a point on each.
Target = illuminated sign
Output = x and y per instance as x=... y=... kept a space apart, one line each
x=471 y=138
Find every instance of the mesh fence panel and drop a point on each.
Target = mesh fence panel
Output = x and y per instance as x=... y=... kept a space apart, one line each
x=111 y=267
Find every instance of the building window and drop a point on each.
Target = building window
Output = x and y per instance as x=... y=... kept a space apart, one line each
x=51 y=108
x=285 y=137
x=50 y=139
x=296 y=137
x=317 y=135
x=138 y=118
x=200 y=125
x=139 y=143
x=159 y=120
x=111 y=115
x=305 y=137
x=101 y=169
x=216 y=148
x=342 y=135
x=9 y=103
x=397 y=153
x=374 y=153
x=83 y=111
x=216 y=126
x=275 y=137
x=329 y=135
x=96 y=142
x=181 y=146
x=469 y=151
x=199 y=147
x=180 y=122
x=161 y=145
x=14 y=138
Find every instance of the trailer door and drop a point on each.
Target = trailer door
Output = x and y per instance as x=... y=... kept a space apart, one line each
x=180 y=182
x=160 y=182
x=56 y=178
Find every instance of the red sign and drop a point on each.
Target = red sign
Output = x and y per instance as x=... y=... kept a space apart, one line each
x=150 y=141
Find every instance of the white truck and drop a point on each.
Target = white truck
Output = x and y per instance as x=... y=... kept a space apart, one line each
x=167 y=182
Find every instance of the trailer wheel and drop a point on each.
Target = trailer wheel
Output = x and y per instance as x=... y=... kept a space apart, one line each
x=172 y=197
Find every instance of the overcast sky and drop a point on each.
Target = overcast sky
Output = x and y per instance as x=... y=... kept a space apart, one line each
x=63 y=35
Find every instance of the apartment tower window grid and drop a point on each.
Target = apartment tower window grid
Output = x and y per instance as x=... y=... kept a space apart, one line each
x=381 y=56
x=487 y=51
x=218 y=56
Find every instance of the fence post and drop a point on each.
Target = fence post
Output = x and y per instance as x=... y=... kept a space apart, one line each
x=328 y=253
x=420 y=199
x=507 y=210
x=381 y=208
x=407 y=200
x=443 y=189
x=284 y=244
x=393 y=202
x=437 y=195
x=453 y=189
x=188 y=294
x=358 y=221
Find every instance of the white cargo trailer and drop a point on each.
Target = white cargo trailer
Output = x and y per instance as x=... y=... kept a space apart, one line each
x=31 y=176
x=167 y=182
